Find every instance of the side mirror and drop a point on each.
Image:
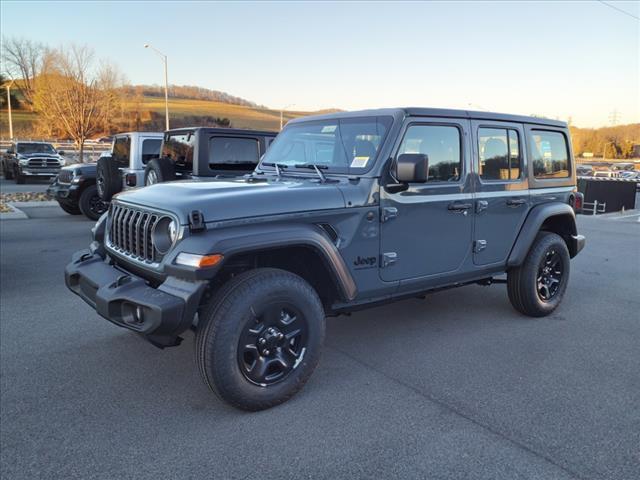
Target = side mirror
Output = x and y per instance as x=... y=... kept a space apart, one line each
x=60 y=152
x=412 y=168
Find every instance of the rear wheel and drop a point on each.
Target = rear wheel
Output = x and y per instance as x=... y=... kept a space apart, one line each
x=70 y=208
x=260 y=339
x=536 y=287
x=108 y=179
x=91 y=204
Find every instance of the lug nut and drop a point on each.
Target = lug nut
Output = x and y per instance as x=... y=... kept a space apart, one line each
x=280 y=336
x=267 y=352
x=262 y=341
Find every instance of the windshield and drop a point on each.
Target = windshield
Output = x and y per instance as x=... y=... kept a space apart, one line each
x=339 y=145
x=28 y=148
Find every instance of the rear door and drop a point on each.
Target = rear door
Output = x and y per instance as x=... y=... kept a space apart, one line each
x=502 y=189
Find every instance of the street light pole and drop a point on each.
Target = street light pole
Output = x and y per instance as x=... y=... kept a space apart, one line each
x=9 y=109
x=166 y=82
x=282 y=113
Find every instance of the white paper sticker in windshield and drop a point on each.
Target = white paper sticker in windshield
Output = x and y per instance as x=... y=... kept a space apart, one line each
x=545 y=146
x=359 y=162
x=329 y=129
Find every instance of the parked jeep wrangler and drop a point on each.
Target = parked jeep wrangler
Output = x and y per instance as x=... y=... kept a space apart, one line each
x=189 y=153
x=344 y=211
x=31 y=159
x=76 y=191
x=124 y=167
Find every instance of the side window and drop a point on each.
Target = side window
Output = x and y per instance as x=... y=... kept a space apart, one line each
x=499 y=154
x=225 y=151
x=549 y=154
x=150 y=149
x=121 y=149
x=179 y=148
x=441 y=144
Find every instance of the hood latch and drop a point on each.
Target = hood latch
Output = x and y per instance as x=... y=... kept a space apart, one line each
x=196 y=221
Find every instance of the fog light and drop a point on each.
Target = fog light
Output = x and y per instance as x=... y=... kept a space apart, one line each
x=198 y=261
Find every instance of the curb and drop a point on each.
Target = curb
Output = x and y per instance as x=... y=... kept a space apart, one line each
x=15 y=214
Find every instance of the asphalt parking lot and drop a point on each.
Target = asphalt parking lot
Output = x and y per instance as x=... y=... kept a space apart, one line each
x=456 y=386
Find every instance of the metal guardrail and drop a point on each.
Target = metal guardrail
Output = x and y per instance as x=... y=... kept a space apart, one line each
x=595 y=207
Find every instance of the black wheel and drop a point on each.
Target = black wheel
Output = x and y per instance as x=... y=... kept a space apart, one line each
x=70 y=208
x=8 y=174
x=91 y=204
x=536 y=287
x=108 y=179
x=260 y=339
x=159 y=170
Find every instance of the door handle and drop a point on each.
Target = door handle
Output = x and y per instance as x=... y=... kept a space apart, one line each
x=459 y=207
x=515 y=202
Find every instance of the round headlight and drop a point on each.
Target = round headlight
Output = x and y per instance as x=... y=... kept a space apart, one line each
x=164 y=234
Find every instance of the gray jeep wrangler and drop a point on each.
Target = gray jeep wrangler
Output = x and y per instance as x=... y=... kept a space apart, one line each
x=344 y=211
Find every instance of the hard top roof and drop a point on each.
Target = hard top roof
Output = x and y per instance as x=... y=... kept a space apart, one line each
x=437 y=112
x=231 y=131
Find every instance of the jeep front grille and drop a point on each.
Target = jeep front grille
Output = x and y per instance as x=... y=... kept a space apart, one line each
x=130 y=232
x=65 y=176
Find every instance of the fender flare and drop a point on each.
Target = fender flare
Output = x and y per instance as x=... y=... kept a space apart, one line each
x=253 y=238
x=532 y=224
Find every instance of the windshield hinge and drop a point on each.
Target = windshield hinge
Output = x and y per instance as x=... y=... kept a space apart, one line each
x=388 y=213
x=389 y=258
x=196 y=221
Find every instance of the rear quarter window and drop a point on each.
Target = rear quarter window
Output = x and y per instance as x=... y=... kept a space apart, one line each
x=549 y=154
x=231 y=152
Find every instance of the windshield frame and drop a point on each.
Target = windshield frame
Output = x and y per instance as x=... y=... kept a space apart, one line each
x=331 y=170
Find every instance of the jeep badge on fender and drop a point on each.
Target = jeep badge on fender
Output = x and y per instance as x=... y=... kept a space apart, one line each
x=458 y=198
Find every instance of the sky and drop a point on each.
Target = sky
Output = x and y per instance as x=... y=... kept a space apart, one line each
x=577 y=60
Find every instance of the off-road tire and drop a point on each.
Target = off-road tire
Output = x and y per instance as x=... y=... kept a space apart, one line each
x=522 y=281
x=70 y=208
x=8 y=174
x=162 y=168
x=20 y=179
x=108 y=178
x=223 y=320
x=90 y=203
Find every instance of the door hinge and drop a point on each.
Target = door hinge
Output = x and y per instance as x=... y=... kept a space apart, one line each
x=389 y=258
x=388 y=213
x=479 y=245
x=481 y=205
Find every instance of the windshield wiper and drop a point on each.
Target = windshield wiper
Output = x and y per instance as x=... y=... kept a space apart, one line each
x=317 y=168
x=277 y=166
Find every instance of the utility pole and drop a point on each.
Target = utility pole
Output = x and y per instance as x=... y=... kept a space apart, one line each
x=166 y=82
x=282 y=114
x=614 y=116
x=9 y=109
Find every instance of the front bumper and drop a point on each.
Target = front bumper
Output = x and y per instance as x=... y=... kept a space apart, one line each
x=160 y=314
x=64 y=191
x=39 y=172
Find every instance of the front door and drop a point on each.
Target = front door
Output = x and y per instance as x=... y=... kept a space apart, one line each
x=427 y=228
x=502 y=191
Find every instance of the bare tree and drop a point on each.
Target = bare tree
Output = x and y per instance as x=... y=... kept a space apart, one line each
x=22 y=60
x=69 y=93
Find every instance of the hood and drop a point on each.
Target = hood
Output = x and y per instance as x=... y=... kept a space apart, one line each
x=84 y=168
x=237 y=198
x=39 y=155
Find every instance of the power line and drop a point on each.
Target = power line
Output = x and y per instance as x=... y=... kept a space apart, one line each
x=614 y=116
x=619 y=9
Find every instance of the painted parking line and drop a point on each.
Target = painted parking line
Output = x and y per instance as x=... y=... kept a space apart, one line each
x=623 y=217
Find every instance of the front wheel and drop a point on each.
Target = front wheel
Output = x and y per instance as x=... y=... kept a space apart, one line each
x=69 y=207
x=537 y=286
x=91 y=204
x=260 y=339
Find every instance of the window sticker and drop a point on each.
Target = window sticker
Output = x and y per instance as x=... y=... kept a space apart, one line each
x=359 y=162
x=329 y=128
x=545 y=148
